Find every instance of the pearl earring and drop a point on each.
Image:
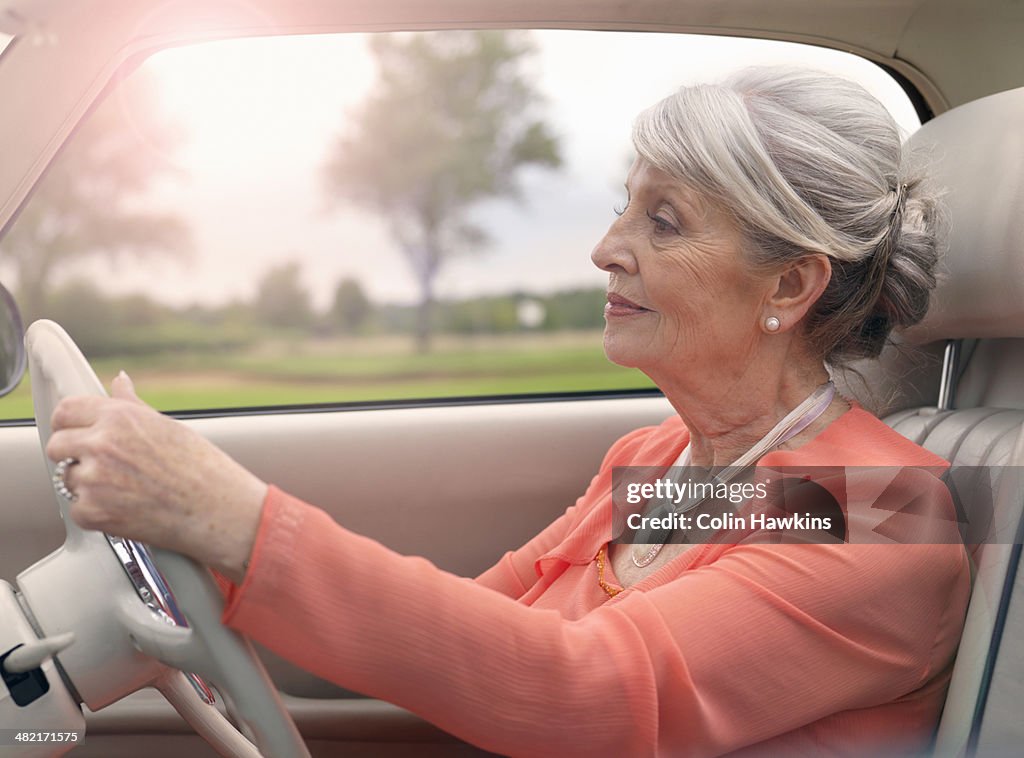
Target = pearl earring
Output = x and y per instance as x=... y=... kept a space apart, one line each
x=772 y=324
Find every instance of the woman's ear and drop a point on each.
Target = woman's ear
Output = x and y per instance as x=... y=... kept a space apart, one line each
x=797 y=288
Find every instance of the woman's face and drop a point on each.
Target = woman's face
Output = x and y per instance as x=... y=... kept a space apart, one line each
x=681 y=299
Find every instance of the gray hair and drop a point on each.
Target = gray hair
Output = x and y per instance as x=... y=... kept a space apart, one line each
x=806 y=163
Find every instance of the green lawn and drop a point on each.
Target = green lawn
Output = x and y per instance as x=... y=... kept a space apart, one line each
x=320 y=371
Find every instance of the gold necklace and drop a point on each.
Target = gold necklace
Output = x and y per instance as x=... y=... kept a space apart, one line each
x=609 y=589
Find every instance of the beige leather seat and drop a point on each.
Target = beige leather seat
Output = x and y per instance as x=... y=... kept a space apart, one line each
x=978 y=313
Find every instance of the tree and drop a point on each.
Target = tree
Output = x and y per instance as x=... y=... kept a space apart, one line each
x=282 y=300
x=87 y=204
x=448 y=125
x=351 y=306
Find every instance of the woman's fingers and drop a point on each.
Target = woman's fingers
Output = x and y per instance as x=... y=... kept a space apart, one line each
x=67 y=443
x=103 y=436
x=124 y=388
x=86 y=410
x=77 y=411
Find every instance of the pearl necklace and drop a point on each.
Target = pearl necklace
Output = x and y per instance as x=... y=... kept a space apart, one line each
x=805 y=414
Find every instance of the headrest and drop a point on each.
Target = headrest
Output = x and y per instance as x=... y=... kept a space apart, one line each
x=976 y=154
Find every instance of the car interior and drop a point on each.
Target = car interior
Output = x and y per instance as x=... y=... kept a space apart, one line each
x=951 y=384
x=975 y=141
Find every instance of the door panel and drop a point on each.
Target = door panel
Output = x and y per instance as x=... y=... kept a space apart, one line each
x=407 y=476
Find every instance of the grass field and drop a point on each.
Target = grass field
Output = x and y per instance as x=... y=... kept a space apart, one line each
x=344 y=370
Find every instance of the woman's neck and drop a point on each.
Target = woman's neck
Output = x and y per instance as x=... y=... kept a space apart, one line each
x=725 y=421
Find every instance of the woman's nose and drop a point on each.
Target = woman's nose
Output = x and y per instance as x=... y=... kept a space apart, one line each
x=614 y=253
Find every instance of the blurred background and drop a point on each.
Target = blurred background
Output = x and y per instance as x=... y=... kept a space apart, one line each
x=340 y=218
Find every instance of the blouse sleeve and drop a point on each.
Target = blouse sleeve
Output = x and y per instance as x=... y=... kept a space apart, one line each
x=515 y=571
x=691 y=666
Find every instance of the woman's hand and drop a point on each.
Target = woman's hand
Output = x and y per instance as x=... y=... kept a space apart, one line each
x=148 y=477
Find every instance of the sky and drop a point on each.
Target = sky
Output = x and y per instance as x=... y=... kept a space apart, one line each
x=259 y=117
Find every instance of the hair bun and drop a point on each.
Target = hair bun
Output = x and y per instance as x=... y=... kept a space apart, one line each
x=909 y=275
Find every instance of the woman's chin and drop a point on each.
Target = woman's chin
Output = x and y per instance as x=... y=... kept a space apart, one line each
x=621 y=352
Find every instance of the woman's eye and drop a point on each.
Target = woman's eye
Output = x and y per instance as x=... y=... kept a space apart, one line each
x=619 y=209
x=661 y=225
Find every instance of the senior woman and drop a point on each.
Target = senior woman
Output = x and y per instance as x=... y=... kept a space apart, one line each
x=772 y=226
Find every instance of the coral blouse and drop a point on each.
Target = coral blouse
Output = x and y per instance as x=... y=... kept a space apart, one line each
x=764 y=649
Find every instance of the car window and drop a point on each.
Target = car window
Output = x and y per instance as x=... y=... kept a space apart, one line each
x=339 y=218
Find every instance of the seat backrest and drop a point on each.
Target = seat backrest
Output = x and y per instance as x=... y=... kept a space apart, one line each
x=984 y=439
x=977 y=154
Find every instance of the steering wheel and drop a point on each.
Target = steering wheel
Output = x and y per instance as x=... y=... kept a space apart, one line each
x=131 y=631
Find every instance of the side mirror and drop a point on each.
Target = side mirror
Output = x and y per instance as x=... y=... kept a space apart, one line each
x=12 y=343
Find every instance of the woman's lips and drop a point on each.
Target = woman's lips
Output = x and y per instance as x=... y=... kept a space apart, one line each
x=619 y=306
